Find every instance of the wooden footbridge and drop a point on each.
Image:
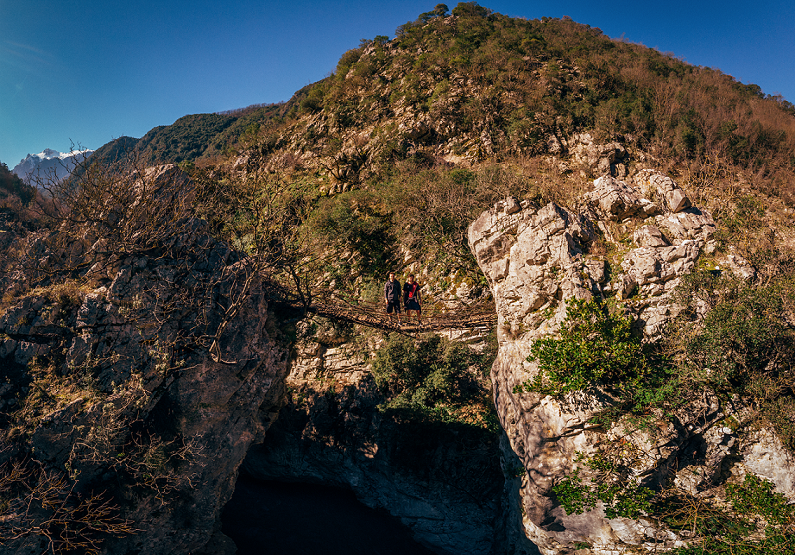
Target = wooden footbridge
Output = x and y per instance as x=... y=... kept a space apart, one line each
x=482 y=316
x=435 y=316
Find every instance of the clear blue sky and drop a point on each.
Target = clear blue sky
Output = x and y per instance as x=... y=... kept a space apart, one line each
x=91 y=71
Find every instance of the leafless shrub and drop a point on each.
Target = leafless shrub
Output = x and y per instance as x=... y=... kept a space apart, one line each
x=45 y=504
x=104 y=212
x=545 y=182
x=119 y=440
x=259 y=213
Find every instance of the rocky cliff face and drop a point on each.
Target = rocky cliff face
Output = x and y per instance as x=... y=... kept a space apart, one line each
x=116 y=391
x=140 y=392
x=149 y=381
x=144 y=383
x=535 y=260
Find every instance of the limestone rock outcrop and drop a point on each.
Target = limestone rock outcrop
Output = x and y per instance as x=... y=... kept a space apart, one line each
x=535 y=259
x=601 y=159
x=116 y=393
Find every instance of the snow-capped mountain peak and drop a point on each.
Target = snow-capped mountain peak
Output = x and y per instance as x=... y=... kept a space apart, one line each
x=50 y=163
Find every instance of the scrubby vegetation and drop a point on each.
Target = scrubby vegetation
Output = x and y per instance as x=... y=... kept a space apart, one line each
x=755 y=520
x=756 y=510
x=743 y=345
x=595 y=346
x=434 y=378
x=529 y=80
x=598 y=347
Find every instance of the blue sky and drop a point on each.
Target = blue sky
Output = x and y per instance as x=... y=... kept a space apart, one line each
x=91 y=71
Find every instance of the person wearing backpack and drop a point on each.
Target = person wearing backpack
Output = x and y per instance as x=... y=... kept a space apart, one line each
x=411 y=297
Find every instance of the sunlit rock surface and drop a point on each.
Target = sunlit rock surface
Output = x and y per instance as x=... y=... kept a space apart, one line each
x=535 y=259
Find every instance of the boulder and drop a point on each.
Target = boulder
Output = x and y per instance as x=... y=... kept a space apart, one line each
x=614 y=200
x=655 y=185
x=603 y=159
x=649 y=236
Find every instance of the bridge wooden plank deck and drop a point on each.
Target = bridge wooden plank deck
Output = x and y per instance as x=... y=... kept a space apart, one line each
x=374 y=316
x=329 y=304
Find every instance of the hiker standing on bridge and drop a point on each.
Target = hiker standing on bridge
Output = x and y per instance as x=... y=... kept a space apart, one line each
x=411 y=297
x=392 y=296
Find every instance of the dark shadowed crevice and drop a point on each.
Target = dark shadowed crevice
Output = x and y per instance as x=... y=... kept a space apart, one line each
x=308 y=519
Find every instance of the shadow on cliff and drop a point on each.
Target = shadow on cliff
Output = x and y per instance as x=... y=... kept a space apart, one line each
x=442 y=481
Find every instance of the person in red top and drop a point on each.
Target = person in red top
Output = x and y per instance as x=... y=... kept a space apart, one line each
x=411 y=297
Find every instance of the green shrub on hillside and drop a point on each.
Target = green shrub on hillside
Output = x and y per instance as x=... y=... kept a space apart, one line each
x=360 y=221
x=433 y=378
x=347 y=60
x=627 y=500
x=742 y=337
x=744 y=343
x=313 y=101
x=597 y=347
x=737 y=532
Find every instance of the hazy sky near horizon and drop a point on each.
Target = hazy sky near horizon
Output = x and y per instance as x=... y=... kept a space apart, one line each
x=90 y=71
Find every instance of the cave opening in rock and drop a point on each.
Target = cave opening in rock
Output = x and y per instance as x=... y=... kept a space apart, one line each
x=291 y=518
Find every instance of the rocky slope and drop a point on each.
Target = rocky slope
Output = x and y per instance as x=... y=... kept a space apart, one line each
x=536 y=259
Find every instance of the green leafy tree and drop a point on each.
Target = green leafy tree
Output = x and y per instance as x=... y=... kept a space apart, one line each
x=433 y=378
x=12 y=188
x=627 y=499
x=597 y=347
x=744 y=344
x=470 y=9
x=740 y=531
x=594 y=346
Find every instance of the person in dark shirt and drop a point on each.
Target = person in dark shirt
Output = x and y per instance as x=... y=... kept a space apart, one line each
x=411 y=297
x=392 y=297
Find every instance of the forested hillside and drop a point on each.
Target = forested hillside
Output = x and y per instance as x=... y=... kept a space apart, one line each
x=195 y=136
x=510 y=86
x=471 y=107
x=13 y=191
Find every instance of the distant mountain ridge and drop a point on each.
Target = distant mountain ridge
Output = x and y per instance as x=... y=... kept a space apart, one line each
x=198 y=135
x=50 y=163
